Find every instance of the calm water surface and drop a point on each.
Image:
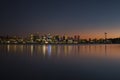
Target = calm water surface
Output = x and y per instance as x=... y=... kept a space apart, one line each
x=60 y=62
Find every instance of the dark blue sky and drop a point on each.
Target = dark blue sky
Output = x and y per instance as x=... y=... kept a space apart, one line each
x=60 y=16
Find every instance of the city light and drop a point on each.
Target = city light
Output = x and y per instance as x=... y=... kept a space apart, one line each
x=56 y=39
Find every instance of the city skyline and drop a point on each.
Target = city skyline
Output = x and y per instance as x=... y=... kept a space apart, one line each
x=83 y=36
x=36 y=38
x=88 y=18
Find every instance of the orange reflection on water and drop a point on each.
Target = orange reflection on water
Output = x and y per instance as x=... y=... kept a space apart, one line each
x=81 y=51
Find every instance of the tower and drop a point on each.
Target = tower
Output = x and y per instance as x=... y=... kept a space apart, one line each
x=105 y=37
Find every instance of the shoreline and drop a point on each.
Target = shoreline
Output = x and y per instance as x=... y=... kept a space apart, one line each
x=57 y=44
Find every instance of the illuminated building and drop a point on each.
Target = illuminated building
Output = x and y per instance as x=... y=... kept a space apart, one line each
x=31 y=38
x=49 y=38
x=75 y=37
x=66 y=37
x=78 y=38
x=70 y=41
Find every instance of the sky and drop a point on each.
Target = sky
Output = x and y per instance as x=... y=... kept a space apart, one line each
x=88 y=18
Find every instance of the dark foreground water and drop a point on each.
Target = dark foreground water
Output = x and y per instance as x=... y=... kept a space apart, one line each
x=60 y=62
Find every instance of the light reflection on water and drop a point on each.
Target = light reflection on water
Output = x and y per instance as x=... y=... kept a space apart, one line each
x=63 y=62
x=31 y=49
x=102 y=50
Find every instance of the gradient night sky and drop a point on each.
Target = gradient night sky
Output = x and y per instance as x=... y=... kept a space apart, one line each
x=89 y=18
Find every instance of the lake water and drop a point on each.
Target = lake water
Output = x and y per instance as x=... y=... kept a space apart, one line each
x=60 y=62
